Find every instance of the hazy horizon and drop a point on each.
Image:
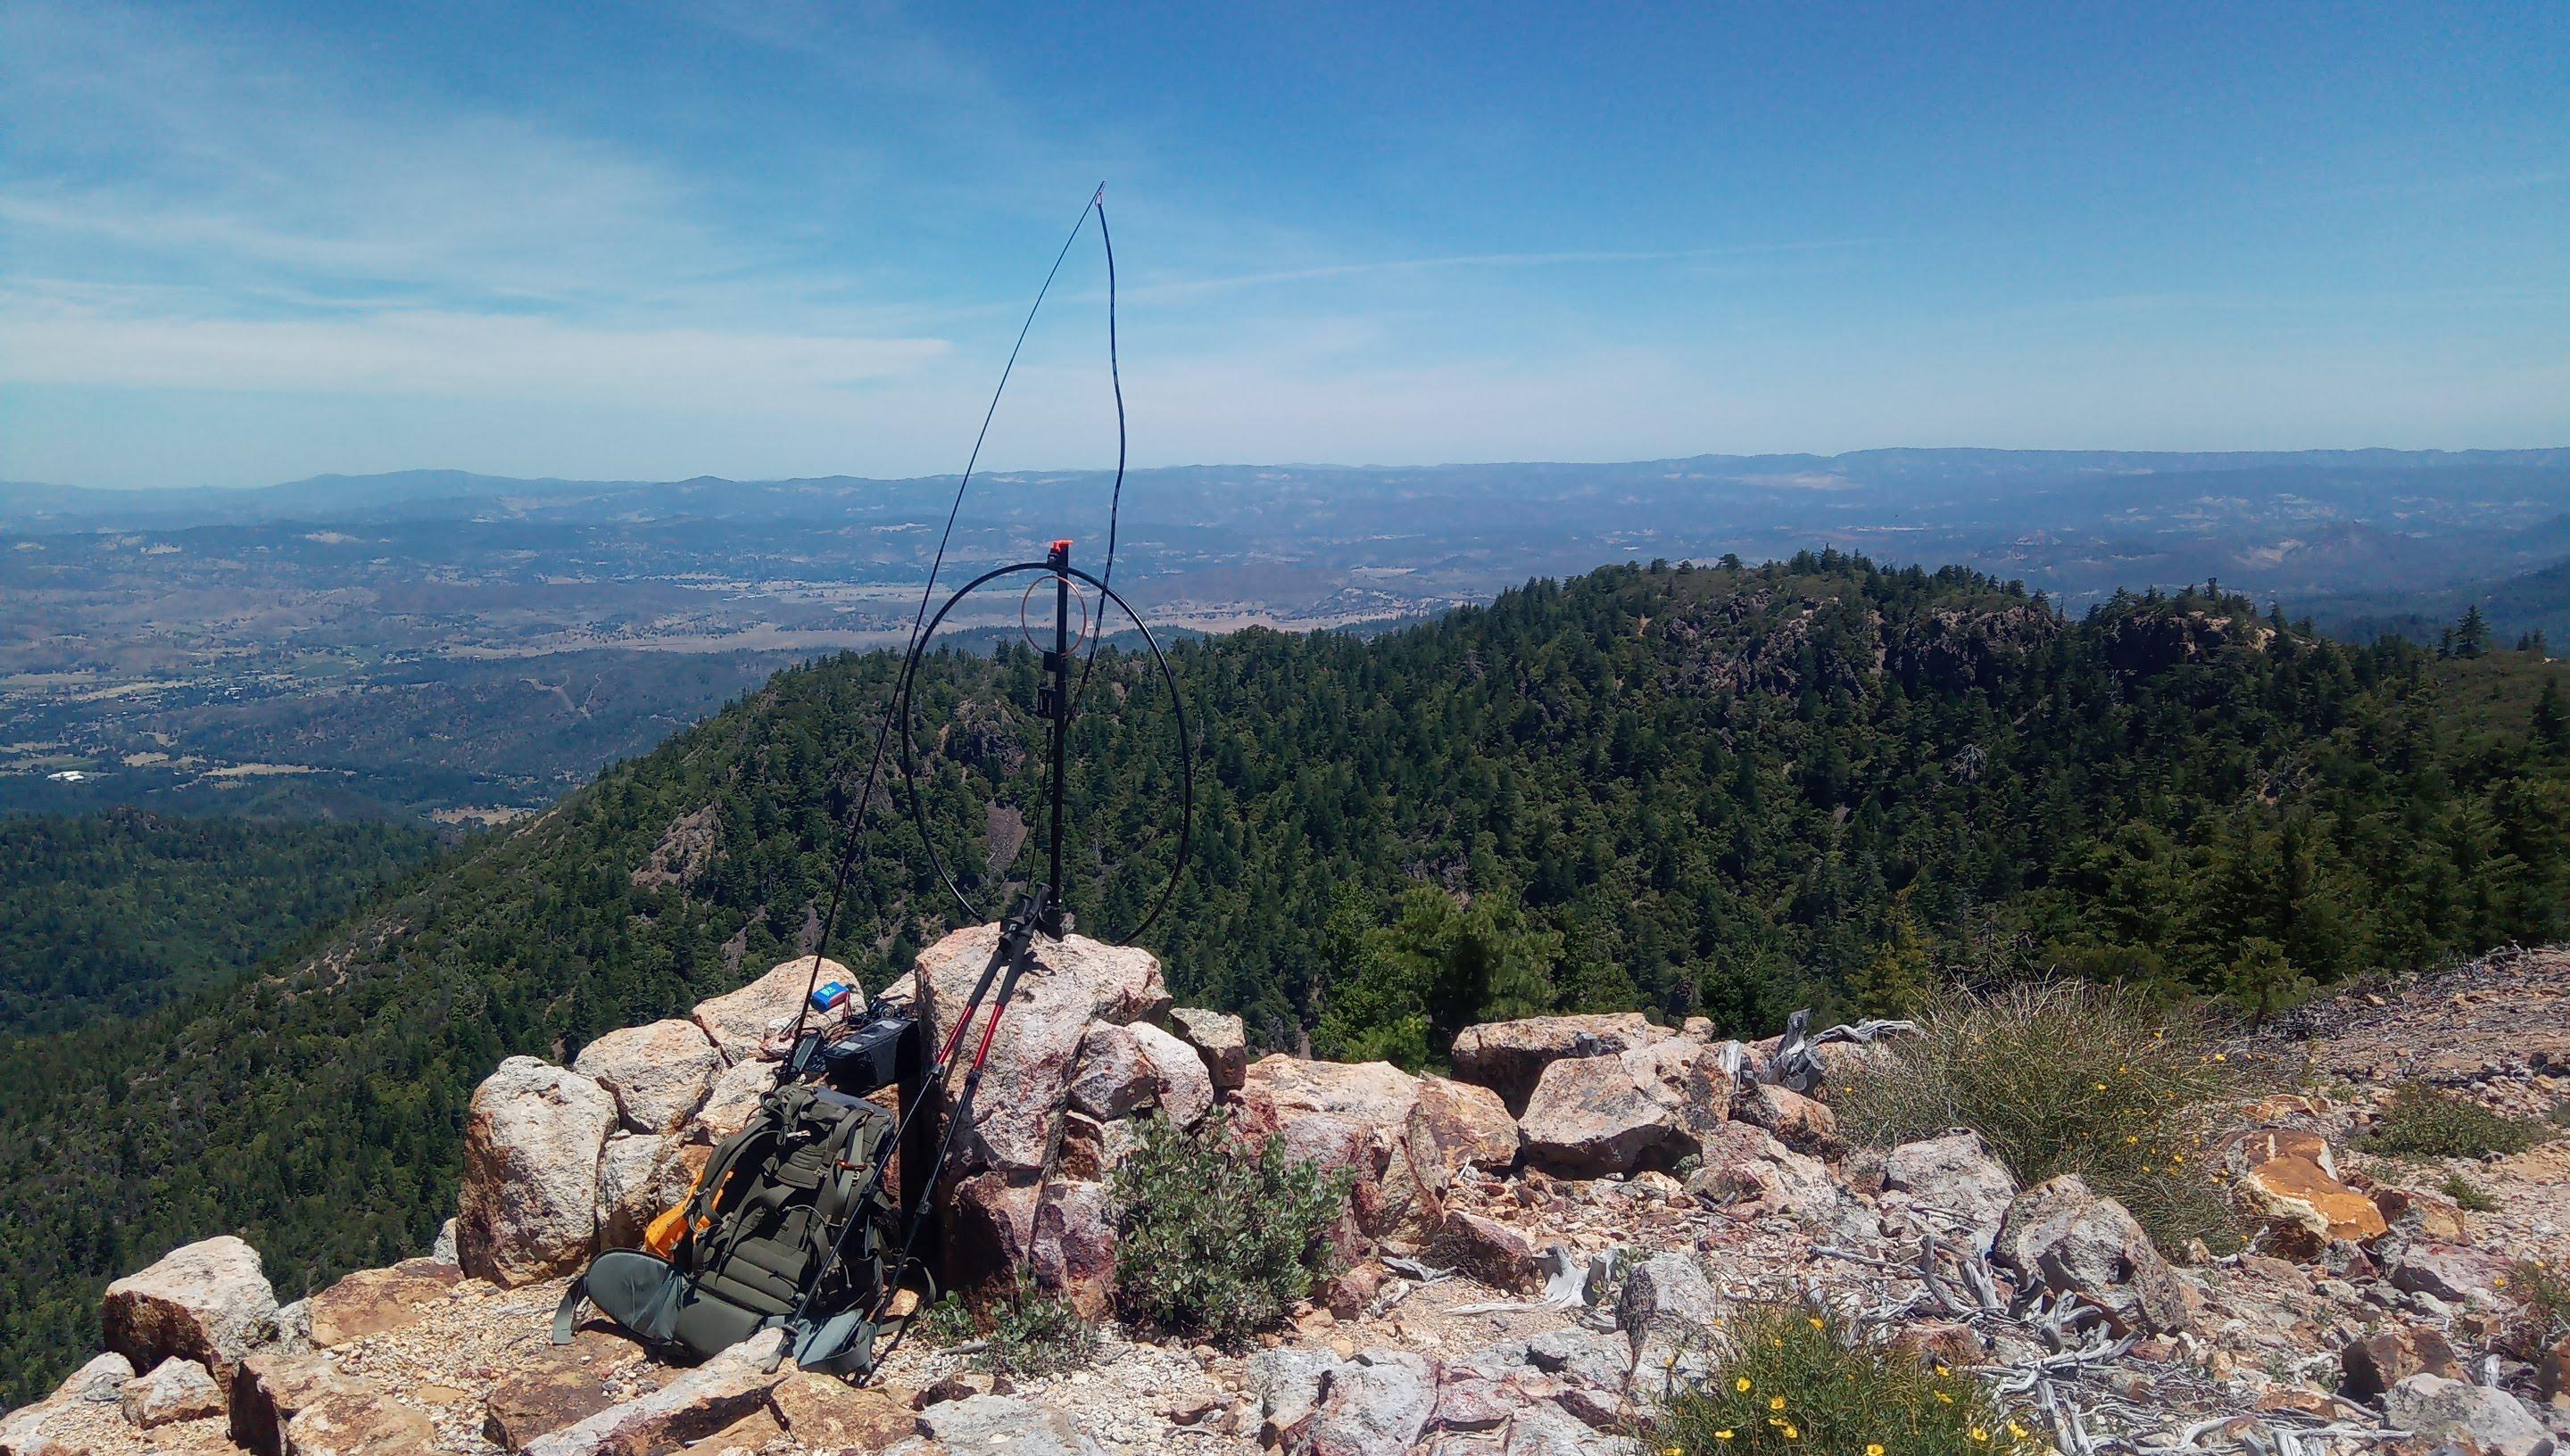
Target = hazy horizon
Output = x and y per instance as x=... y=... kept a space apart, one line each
x=1355 y=467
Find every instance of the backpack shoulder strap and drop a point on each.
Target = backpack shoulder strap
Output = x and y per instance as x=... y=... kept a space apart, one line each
x=567 y=1313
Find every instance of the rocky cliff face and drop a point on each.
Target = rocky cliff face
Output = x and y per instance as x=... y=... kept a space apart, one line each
x=1535 y=1249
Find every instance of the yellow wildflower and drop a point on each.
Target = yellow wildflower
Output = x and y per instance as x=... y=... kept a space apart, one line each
x=1980 y=1435
x=1741 y=1384
x=1722 y=1435
x=1775 y=1402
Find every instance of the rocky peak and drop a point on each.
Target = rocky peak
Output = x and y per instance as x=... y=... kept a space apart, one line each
x=1535 y=1248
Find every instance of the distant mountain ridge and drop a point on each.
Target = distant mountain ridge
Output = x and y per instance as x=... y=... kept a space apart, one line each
x=35 y=507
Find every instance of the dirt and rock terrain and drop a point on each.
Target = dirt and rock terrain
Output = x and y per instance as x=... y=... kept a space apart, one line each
x=1534 y=1249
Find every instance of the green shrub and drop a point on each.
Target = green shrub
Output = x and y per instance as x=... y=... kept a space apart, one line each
x=2427 y=1122
x=1214 y=1242
x=2065 y=1077
x=2468 y=1196
x=1036 y=1333
x=1025 y=1331
x=1791 y=1382
x=948 y=1321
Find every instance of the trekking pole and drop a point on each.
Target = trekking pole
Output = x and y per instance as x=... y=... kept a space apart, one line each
x=1040 y=909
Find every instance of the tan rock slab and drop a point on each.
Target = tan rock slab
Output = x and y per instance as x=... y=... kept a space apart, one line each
x=379 y=1300
x=2293 y=1191
x=1464 y=1124
x=1591 y=1116
x=556 y=1386
x=742 y=1023
x=824 y=1414
x=731 y=1105
x=1220 y=1039
x=1367 y=1094
x=350 y=1421
x=271 y=1388
x=1491 y=1251
x=751 y=1432
x=690 y=1408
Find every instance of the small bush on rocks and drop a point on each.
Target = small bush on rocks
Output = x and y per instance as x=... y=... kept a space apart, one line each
x=1216 y=1243
x=2542 y=1295
x=2428 y=1122
x=1036 y=1333
x=2468 y=1196
x=948 y=1321
x=1792 y=1383
x=1025 y=1331
x=2066 y=1077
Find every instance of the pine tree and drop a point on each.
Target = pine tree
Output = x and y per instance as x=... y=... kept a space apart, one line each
x=2471 y=635
x=2551 y=727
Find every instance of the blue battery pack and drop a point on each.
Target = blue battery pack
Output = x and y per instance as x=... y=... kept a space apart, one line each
x=830 y=997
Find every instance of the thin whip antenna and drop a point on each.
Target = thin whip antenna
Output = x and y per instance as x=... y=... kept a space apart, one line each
x=1115 y=501
x=851 y=841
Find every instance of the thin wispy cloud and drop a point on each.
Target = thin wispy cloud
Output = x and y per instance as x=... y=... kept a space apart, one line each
x=1199 y=288
x=449 y=355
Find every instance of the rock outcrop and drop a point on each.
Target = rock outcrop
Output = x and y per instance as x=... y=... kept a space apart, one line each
x=532 y=1139
x=1956 y=1173
x=1220 y=1039
x=1646 y=1106
x=208 y=1303
x=659 y=1074
x=696 y=1404
x=1073 y=985
x=2062 y=1237
x=176 y=1390
x=375 y=1302
x=744 y=1025
x=1528 y=1282
x=1509 y=1057
x=2472 y=1417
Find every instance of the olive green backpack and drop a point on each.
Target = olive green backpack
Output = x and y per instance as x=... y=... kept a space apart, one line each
x=758 y=1248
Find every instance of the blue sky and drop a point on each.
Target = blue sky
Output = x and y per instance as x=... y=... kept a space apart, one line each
x=241 y=244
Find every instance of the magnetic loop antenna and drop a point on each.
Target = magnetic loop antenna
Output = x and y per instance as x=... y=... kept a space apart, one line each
x=1026 y=633
x=1068 y=578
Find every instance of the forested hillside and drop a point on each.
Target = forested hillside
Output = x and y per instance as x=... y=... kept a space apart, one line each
x=1725 y=791
x=108 y=916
